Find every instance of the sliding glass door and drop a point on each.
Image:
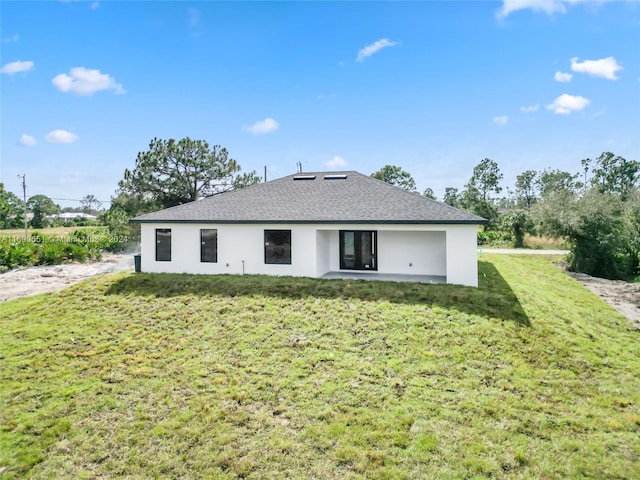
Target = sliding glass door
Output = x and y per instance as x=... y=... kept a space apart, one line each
x=358 y=250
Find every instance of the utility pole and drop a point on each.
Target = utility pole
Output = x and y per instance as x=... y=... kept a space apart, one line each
x=24 y=197
x=265 y=174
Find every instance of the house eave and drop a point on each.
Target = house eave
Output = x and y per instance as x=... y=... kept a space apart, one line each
x=317 y=222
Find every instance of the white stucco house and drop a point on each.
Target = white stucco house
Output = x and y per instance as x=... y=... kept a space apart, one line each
x=73 y=215
x=323 y=224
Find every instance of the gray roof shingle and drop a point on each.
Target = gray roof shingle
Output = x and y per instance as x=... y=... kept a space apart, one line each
x=354 y=199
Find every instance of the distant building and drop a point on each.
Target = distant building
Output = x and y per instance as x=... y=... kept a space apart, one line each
x=73 y=215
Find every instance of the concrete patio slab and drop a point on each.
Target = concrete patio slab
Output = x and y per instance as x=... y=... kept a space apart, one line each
x=386 y=277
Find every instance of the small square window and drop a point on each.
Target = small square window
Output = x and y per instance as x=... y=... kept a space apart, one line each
x=277 y=247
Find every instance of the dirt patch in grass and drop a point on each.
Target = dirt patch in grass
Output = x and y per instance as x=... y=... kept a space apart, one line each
x=623 y=296
x=24 y=282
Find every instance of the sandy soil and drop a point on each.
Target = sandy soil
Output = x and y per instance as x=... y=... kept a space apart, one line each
x=623 y=296
x=23 y=282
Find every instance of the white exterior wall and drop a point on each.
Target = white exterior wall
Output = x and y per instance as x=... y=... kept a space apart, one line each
x=236 y=243
x=412 y=252
x=462 y=256
x=323 y=249
x=334 y=247
x=445 y=250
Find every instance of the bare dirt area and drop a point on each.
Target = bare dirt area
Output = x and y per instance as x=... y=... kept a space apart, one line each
x=24 y=282
x=623 y=296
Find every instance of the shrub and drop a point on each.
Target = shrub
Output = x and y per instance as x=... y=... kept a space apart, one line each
x=518 y=223
x=51 y=254
x=16 y=253
x=39 y=249
x=601 y=230
x=493 y=238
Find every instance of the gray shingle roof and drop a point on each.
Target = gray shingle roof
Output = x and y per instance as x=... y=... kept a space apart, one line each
x=354 y=199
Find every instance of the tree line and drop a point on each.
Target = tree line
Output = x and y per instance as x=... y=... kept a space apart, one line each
x=595 y=210
x=40 y=210
x=169 y=173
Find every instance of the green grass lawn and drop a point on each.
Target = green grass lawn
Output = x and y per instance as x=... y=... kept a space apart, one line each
x=179 y=376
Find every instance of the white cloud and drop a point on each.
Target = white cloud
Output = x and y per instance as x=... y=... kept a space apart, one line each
x=263 y=126
x=61 y=136
x=17 y=67
x=531 y=108
x=605 y=67
x=565 y=104
x=83 y=81
x=336 y=162
x=93 y=5
x=12 y=39
x=27 y=140
x=562 y=77
x=547 y=6
x=544 y=6
x=373 y=48
x=194 y=17
x=501 y=120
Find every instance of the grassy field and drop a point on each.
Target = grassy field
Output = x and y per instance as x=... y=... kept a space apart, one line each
x=50 y=231
x=177 y=376
x=544 y=243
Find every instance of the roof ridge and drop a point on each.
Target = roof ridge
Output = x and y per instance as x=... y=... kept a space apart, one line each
x=358 y=198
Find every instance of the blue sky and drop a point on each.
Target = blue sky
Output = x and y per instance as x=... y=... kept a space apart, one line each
x=434 y=87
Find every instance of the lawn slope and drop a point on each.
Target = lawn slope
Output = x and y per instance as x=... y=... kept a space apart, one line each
x=179 y=376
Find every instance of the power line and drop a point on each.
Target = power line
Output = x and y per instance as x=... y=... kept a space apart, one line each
x=75 y=200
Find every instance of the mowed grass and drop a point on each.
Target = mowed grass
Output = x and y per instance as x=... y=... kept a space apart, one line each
x=178 y=376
